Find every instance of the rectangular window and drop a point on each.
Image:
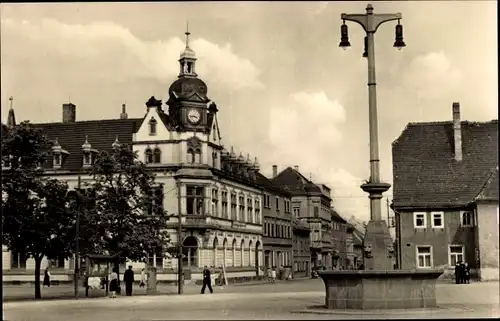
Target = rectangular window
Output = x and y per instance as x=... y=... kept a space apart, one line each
x=250 y=210
x=215 y=202
x=267 y=201
x=296 y=212
x=225 y=213
x=419 y=220
x=277 y=203
x=466 y=219
x=241 y=200
x=437 y=219
x=233 y=206
x=456 y=254
x=316 y=211
x=424 y=256
x=18 y=260
x=57 y=263
x=195 y=200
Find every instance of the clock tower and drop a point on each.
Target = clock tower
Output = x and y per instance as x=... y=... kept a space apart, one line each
x=188 y=101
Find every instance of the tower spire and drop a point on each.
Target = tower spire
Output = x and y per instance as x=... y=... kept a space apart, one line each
x=187 y=33
x=11 y=118
x=188 y=58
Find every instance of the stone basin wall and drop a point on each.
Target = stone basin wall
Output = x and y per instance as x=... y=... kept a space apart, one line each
x=380 y=289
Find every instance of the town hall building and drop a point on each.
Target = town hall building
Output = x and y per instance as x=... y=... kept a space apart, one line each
x=212 y=190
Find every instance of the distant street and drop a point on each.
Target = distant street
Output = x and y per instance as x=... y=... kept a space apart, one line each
x=282 y=300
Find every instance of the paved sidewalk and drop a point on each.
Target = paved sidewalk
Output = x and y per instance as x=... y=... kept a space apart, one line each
x=66 y=291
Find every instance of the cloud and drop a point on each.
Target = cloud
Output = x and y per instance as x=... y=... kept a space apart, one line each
x=110 y=50
x=305 y=131
x=305 y=117
x=432 y=75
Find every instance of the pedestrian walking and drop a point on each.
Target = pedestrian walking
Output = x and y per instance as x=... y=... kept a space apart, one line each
x=144 y=278
x=113 y=283
x=273 y=275
x=207 y=280
x=466 y=273
x=46 y=278
x=457 y=273
x=128 y=278
x=269 y=275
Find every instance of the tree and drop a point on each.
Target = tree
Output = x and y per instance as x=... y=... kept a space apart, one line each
x=34 y=218
x=126 y=215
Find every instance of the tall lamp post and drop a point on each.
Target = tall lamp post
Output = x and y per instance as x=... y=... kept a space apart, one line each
x=77 y=201
x=378 y=246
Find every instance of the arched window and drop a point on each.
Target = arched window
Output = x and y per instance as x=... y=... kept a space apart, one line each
x=191 y=156
x=250 y=253
x=234 y=253
x=152 y=126
x=224 y=253
x=242 y=252
x=157 y=156
x=216 y=252
x=149 y=156
x=190 y=251
x=198 y=153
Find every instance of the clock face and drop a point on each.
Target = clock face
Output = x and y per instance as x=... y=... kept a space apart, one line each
x=193 y=116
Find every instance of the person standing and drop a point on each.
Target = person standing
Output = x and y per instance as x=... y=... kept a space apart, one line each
x=269 y=275
x=113 y=283
x=144 y=278
x=128 y=278
x=46 y=278
x=207 y=280
x=466 y=273
x=273 y=275
x=462 y=273
x=457 y=273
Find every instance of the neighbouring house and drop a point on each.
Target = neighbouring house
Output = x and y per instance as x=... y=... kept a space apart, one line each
x=339 y=235
x=356 y=234
x=446 y=195
x=311 y=204
x=277 y=226
x=301 y=248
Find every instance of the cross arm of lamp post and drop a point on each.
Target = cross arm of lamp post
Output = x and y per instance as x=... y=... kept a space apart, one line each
x=371 y=25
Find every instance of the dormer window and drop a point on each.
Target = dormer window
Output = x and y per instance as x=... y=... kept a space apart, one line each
x=149 y=156
x=152 y=127
x=157 y=156
x=87 y=159
x=57 y=160
x=57 y=154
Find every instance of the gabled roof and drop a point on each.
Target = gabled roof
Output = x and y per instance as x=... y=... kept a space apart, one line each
x=101 y=135
x=295 y=183
x=268 y=185
x=489 y=192
x=426 y=175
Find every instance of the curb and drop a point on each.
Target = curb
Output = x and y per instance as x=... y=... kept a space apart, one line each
x=436 y=310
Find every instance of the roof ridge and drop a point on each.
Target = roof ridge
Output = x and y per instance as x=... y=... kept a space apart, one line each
x=87 y=121
x=487 y=181
x=444 y=122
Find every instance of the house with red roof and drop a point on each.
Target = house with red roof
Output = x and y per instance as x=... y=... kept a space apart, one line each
x=446 y=195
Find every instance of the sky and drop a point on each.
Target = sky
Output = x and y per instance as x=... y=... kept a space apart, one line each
x=286 y=92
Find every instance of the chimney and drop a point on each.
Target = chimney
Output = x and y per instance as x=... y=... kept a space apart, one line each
x=457 y=132
x=69 y=113
x=275 y=171
x=296 y=167
x=124 y=115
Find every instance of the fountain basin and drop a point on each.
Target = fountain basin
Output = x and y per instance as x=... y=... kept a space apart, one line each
x=371 y=289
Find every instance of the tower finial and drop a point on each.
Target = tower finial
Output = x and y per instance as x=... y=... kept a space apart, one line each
x=11 y=102
x=187 y=33
x=11 y=118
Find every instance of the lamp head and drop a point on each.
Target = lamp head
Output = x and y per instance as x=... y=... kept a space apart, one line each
x=344 y=37
x=365 y=53
x=399 y=43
